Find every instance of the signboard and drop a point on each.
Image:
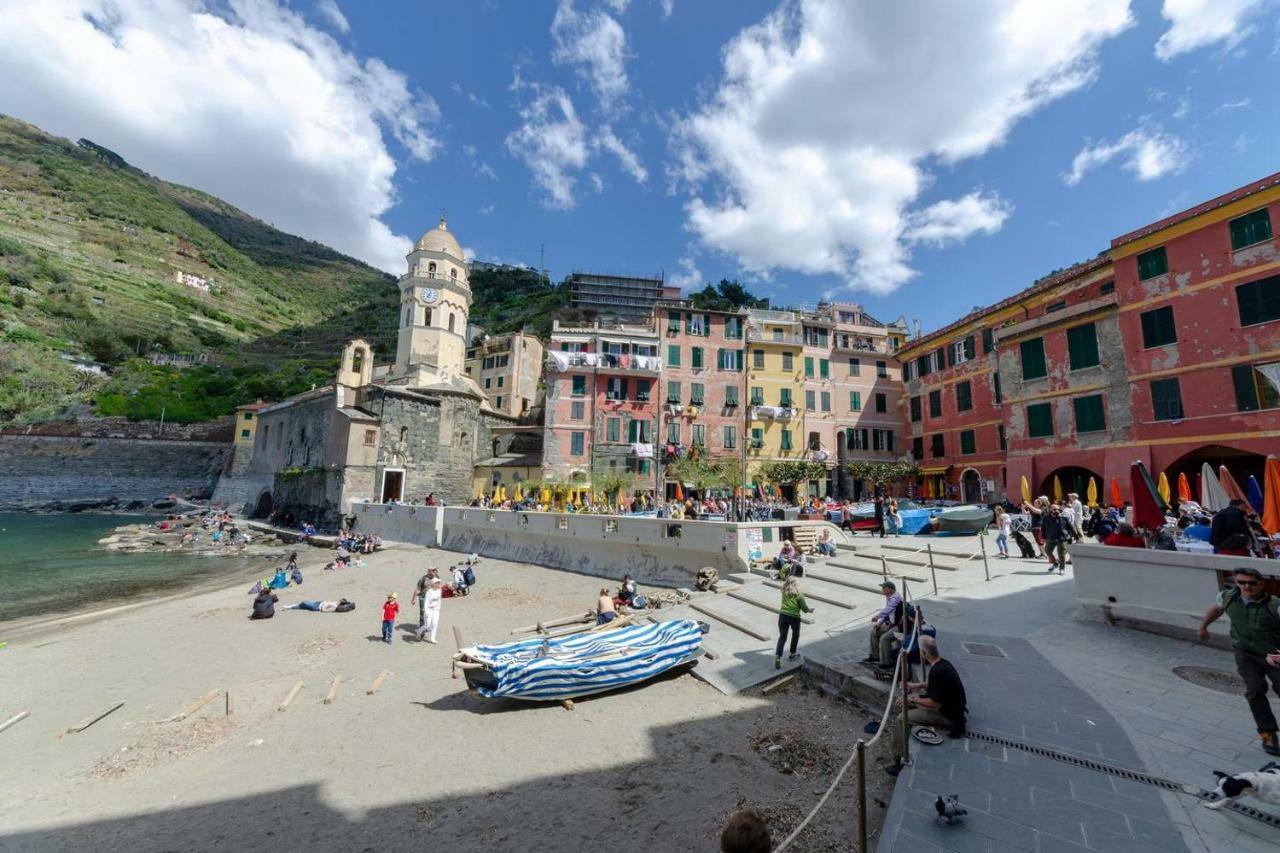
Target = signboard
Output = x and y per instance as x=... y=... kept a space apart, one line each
x=755 y=544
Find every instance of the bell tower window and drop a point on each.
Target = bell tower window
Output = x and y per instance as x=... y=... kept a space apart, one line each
x=431 y=269
x=451 y=316
x=453 y=273
x=427 y=321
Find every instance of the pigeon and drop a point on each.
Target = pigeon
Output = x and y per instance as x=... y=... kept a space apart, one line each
x=949 y=808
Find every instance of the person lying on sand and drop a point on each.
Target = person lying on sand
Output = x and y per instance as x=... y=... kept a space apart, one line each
x=342 y=606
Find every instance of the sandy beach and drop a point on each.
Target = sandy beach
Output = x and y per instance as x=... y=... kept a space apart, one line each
x=420 y=764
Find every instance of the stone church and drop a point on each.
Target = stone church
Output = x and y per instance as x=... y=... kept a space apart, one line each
x=383 y=432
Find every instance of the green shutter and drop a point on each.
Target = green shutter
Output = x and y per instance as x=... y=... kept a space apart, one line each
x=673 y=392
x=1039 y=420
x=695 y=358
x=1158 y=327
x=969 y=350
x=784 y=398
x=968 y=444
x=825 y=399
x=1259 y=301
x=915 y=409
x=964 y=396
x=1166 y=399
x=808 y=366
x=1033 y=365
x=988 y=340
x=613 y=429
x=935 y=404
x=1246 y=388
x=1090 y=416
x=1153 y=263
x=731 y=395
x=855 y=401
x=786 y=439
x=1250 y=228
x=824 y=368
x=673 y=355
x=1082 y=346
x=695 y=393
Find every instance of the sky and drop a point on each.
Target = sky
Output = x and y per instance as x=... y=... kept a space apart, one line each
x=920 y=158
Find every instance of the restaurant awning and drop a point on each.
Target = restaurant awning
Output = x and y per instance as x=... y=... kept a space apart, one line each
x=935 y=470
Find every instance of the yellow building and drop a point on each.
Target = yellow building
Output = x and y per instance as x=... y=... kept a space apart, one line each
x=247 y=424
x=775 y=389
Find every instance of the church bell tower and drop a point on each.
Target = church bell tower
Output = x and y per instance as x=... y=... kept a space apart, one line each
x=435 y=301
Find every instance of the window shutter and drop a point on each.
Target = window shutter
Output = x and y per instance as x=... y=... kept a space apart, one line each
x=1246 y=390
x=969 y=350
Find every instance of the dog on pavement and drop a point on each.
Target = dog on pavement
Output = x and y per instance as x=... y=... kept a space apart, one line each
x=1263 y=785
x=1024 y=545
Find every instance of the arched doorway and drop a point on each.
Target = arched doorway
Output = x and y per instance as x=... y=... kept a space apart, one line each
x=971 y=486
x=1074 y=478
x=1241 y=463
x=262 y=508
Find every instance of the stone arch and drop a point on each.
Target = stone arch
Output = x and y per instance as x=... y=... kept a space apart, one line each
x=970 y=486
x=1074 y=478
x=356 y=368
x=262 y=505
x=1240 y=462
x=431 y=268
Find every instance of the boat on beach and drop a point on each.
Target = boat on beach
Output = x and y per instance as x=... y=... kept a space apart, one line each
x=580 y=664
x=965 y=519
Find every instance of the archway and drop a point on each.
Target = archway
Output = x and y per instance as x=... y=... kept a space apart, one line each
x=1074 y=478
x=971 y=486
x=1241 y=463
x=262 y=508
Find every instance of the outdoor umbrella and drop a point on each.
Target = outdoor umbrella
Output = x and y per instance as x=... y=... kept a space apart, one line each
x=679 y=491
x=1116 y=500
x=1271 y=504
x=1092 y=492
x=1057 y=488
x=1253 y=492
x=1229 y=485
x=1184 y=488
x=1212 y=495
x=1026 y=489
x=1162 y=486
x=1148 y=506
x=519 y=494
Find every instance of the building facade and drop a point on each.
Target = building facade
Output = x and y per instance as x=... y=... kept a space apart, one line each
x=624 y=296
x=508 y=368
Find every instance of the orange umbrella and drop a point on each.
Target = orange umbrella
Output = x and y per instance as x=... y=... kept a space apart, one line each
x=1184 y=488
x=1116 y=499
x=1271 y=496
x=679 y=491
x=1229 y=485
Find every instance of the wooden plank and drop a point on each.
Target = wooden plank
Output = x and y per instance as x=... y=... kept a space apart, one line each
x=229 y=702
x=762 y=605
x=190 y=709
x=816 y=596
x=89 y=721
x=333 y=690
x=14 y=720
x=377 y=682
x=553 y=623
x=457 y=637
x=290 y=696
x=730 y=621
x=779 y=684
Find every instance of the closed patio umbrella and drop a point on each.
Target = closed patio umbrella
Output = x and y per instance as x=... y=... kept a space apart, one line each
x=1092 y=492
x=1026 y=489
x=1229 y=485
x=1253 y=492
x=1116 y=499
x=1271 y=499
x=1148 y=506
x=1212 y=496
x=1057 y=488
x=1184 y=488
x=1162 y=486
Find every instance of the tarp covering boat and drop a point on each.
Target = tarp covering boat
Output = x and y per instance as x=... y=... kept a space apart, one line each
x=582 y=664
x=965 y=519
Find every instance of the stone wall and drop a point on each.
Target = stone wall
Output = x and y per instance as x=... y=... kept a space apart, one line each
x=220 y=430
x=43 y=469
x=436 y=441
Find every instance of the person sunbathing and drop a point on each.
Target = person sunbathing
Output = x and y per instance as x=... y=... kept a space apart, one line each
x=341 y=606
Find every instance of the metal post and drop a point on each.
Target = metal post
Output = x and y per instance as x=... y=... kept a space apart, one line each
x=933 y=573
x=862 y=796
x=982 y=540
x=884 y=568
x=906 y=667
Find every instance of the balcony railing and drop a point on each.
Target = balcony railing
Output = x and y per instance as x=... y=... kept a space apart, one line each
x=780 y=413
x=766 y=336
x=860 y=345
x=562 y=361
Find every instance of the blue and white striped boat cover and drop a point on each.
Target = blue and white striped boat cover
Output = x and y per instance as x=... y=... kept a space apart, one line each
x=582 y=664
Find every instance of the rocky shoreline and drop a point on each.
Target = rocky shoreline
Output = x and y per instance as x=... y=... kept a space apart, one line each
x=187 y=535
x=99 y=506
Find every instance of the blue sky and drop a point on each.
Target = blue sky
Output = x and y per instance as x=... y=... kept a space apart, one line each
x=917 y=159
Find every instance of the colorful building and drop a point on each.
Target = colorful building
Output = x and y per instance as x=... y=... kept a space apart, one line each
x=775 y=419
x=507 y=368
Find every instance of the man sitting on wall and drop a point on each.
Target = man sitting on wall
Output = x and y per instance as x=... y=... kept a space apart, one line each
x=883 y=624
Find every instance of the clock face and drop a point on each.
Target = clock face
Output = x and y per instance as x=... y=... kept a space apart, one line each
x=430 y=295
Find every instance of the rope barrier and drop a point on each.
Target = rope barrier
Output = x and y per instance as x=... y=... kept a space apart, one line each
x=884 y=719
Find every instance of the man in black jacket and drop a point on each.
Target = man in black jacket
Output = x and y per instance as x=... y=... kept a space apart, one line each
x=1055 y=538
x=937 y=701
x=1228 y=522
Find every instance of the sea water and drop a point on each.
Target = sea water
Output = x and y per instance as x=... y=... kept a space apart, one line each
x=54 y=564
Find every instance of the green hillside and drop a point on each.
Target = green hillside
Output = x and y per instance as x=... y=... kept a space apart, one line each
x=89 y=251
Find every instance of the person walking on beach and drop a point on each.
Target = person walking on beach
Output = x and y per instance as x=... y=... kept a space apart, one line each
x=1004 y=524
x=419 y=597
x=793 y=604
x=1255 y=641
x=431 y=610
x=389 y=611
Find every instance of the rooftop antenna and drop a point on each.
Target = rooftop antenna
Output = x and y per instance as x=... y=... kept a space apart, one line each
x=542 y=259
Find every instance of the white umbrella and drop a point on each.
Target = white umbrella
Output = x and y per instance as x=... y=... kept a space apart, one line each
x=1212 y=496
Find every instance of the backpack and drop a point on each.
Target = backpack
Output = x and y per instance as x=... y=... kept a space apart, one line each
x=1273 y=602
x=904 y=616
x=469 y=576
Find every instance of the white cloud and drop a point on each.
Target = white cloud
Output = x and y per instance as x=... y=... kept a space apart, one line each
x=597 y=45
x=251 y=104
x=668 y=6
x=551 y=141
x=813 y=150
x=688 y=277
x=1147 y=153
x=1199 y=23
x=329 y=9
x=627 y=158
x=618 y=6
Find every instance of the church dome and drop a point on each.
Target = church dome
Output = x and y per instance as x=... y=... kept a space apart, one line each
x=439 y=239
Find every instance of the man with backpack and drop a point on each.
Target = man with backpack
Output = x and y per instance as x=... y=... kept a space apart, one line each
x=1255 y=640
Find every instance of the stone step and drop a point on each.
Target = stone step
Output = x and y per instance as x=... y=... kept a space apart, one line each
x=842 y=577
x=829 y=594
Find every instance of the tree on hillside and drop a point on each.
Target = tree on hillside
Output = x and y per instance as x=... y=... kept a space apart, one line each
x=726 y=296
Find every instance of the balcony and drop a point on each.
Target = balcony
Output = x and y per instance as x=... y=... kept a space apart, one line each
x=763 y=336
x=778 y=413
x=629 y=363
x=854 y=344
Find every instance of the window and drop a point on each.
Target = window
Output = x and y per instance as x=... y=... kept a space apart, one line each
x=728 y=359
x=730 y=396
x=882 y=369
x=995 y=387
x=757 y=396
x=638 y=432
x=1257 y=386
x=500 y=378
x=673 y=323
x=1089 y=414
x=1259 y=301
x=784 y=398
x=673 y=432
x=938 y=442
x=1166 y=399
x=1039 y=420
x=613 y=429
x=1158 y=328
x=248 y=416
x=1082 y=346
x=1033 y=366
x=757 y=359
x=808 y=367
x=882 y=403
x=824 y=368
x=968 y=443
x=733 y=328
x=695 y=358
x=642 y=390
x=673 y=355
x=370 y=437
x=786 y=440
x=673 y=393
x=244 y=433
x=488 y=382
x=579 y=386
x=1004 y=444
x=935 y=404
x=730 y=438
x=988 y=340
x=577 y=443
x=498 y=403
x=916 y=415
x=1249 y=229
x=699 y=435
x=615 y=388
x=1055 y=306
x=577 y=410
x=877 y=439
x=855 y=366
x=964 y=396
x=923 y=365
x=426 y=317
x=696 y=393
x=855 y=401
x=917 y=448
x=451 y=319
x=788 y=362
x=1107 y=287
x=815 y=441
x=825 y=401
x=1153 y=263
x=757 y=437
x=810 y=400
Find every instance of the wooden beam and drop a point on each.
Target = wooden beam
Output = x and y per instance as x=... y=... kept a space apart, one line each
x=333 y=690
x=733 y=593
x=779 y=684
x=191 y=709
x=228 y=694
x=457 y=637
x=89 y=721
x=730 y=621
x=290 y=696
x=377 y=682
x=14 y=720
x=553 y=623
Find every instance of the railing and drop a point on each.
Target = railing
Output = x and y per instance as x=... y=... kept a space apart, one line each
x=781 y=413
x=859 y=346
x=766 y=337
x=767 y=316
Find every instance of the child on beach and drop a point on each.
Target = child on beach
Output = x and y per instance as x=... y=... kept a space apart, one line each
x=389 y=611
